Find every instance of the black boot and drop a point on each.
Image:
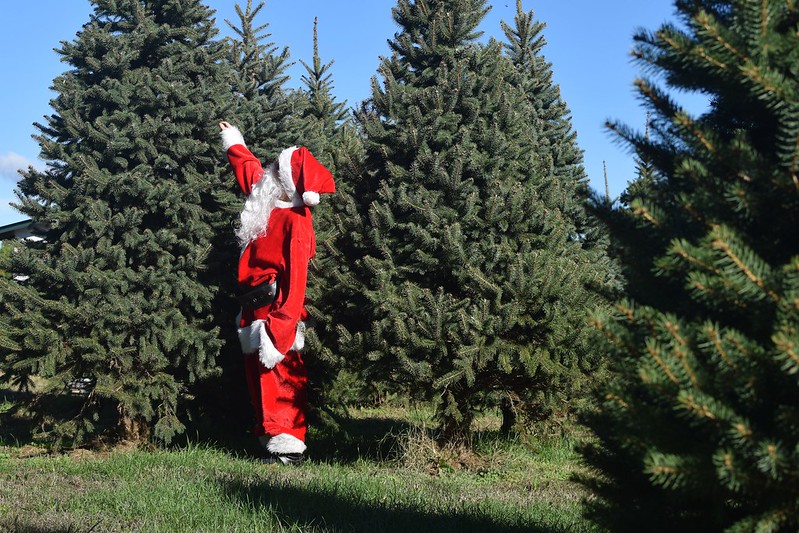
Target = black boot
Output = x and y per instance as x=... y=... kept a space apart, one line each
x=283 y=458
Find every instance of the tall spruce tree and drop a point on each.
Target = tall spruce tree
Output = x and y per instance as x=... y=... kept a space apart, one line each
x=259 y=103
x=632 y=256
x=323 y=116
x=264 y=109
x=475 y=278
x=117 y=302
x=557 y=164
x=699 y=430
x=550 y=132
x=6 y=248
x=328 y=131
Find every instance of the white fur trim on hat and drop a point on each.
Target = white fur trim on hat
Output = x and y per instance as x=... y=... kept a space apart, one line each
x=284 y=176
x=285 y=443
x=232 y=136
x=310 y=198
x=254 y=338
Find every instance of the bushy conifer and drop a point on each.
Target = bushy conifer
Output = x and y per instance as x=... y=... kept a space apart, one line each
x=476 y=281
x=699 y=429
x=264 y=109
x=117 y=304
x=322 y=117
x=260 y=105
x=328 y=131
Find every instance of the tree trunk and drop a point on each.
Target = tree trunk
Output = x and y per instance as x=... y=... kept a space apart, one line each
x=132 y=429
x=510 y=416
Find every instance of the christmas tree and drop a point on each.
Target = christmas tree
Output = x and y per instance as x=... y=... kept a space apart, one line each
x=264 y=109
x=117 y=304
x=698 y=430
x=550 y=134
x=475 y=278
x=323 y=117
x=329 y=132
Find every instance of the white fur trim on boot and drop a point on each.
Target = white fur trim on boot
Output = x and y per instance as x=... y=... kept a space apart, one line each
x=232 y=136
x=285 y=443
x=255 y=338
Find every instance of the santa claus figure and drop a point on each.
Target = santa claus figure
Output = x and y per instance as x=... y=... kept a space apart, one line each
x=277 y=238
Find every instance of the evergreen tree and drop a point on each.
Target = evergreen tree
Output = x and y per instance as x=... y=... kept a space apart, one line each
x=117 y=304
x=328 y=131
x=552 y=144
x=6 y=248
x=550 y=133
x=264 y=109
x=323 y=117
x=475 y=279
x=699 y=429
x=261 y=106
x=630 y=255
x=21 y=380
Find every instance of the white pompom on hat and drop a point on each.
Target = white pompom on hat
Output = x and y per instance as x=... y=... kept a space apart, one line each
x=300 y=173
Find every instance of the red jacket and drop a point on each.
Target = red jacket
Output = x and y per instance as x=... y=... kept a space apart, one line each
x=282 y=252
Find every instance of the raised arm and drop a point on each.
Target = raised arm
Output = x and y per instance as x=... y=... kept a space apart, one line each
x=246 y=167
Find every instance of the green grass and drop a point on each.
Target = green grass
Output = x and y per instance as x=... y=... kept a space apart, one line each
x=399 y=481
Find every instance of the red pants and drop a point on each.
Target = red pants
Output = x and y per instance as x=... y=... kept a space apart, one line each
x=278 y=395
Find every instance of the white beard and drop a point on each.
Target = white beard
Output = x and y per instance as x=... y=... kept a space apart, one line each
x=255 y=215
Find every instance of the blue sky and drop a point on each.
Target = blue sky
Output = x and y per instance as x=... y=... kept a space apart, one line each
x=588 y=44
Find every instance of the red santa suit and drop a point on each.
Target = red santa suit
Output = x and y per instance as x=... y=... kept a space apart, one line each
x=277 y=240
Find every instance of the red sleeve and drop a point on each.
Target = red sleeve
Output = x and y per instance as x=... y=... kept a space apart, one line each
x=246 y=167
x=281 y=323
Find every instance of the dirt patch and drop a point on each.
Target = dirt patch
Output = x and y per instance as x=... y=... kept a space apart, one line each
x=27 y=451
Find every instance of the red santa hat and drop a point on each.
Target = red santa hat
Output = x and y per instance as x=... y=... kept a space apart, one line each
x=300 y=173
x=298 y=170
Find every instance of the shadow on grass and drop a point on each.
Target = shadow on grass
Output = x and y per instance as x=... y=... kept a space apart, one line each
x=49 y=523
x=20 y=527
x=334 y=438
x=351 y=439
x=25 y=416
x=343 y=509
x=15 y=429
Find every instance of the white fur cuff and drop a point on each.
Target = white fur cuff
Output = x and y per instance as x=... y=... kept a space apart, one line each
x=268 y=354
x=232 y=136
x=254 y=338
x=299 y=338
x=285 y=443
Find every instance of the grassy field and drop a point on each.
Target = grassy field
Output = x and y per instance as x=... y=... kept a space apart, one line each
x=391 y=478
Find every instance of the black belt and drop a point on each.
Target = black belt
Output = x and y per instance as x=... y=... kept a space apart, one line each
x=263 y=294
